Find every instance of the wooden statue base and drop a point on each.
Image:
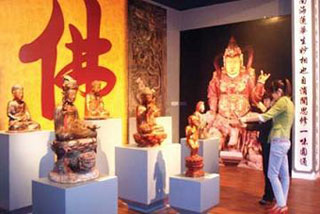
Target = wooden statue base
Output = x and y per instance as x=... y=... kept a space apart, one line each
x=149 y=140
x=194 y=166
x=72 y=178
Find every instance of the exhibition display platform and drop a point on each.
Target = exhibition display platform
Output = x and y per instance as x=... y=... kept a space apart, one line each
x=144 y=173
x=95 y=196
x=194 y=195
x=23 y=157
x=208 y=149
x=109 y=136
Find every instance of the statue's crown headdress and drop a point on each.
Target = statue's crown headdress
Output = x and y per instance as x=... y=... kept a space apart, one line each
x=69 y=83
x=233 y=49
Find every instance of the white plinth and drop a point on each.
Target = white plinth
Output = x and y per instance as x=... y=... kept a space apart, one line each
x=194 y=195
x=209 y=150
x=166 y=122
x=144 y=173
x=97 y=196
x=109 y=136
x=23 y=157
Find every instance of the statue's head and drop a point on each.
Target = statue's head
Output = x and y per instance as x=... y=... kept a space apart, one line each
x=233 y=59
x=147 y=95
x=17 y=92
x=200 y=107
x=70 y=89
x=96 y=86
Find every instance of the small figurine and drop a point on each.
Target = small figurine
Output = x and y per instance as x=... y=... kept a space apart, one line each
x=18 y=113
x=94 y=109
x=76 y=142
x=194 y=162
x=200 y=109
x=149 y=132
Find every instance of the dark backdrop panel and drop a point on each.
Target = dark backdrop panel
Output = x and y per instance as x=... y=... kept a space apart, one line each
x=270 y=39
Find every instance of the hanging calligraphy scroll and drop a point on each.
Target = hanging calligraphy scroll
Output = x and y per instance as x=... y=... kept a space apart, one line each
x=306 y=83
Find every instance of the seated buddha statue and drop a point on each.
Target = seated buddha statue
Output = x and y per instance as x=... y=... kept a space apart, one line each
x=76 y=142
x=67 y=124
x=94 y=108
x=18 y=113
x=149 y=132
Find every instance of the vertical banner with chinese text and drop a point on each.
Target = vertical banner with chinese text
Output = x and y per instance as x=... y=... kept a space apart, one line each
x=305 y=81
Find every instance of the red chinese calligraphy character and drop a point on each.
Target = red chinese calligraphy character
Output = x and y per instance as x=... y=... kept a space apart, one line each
x=303 y=80
x=304 y=111
x=303 y=151
x=303 y=141
x=85 y=63
x=302 y=10
x=303 y=120
x=303 y=49
x=303 y=161
x=304 y=100
x=303 y=70
x=303 y=20
x=304 y=60
x=45 y=49
x=303 y=90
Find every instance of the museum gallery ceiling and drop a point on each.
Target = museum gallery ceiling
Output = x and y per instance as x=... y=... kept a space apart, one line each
x=189 y=4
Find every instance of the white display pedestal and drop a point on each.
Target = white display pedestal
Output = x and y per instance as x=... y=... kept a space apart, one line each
x=144 y=173
x=166 y=122
x=209 y=150
x=23 y=157
x=109 y=136
x=194 y=195
x=96 y=196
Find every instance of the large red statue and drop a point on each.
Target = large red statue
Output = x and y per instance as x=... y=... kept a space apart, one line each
x=232 y=91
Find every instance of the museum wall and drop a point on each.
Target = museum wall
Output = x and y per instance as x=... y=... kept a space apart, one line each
x=37 y=49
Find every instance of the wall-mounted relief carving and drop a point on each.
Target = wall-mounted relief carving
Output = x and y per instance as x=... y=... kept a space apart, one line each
x=147 y=51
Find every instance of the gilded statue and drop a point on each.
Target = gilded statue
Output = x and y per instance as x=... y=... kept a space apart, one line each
x=94 y=109
x=200 y=113
x=18 y=113
x=149 y=133
x=194 y=162
x=76 y=142
x=232 y=91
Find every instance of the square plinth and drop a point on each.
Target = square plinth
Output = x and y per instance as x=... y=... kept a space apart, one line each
x=23 y=157
x=208 y=149
x=109 y=136
x=194 y=195
x=97 y=196
x=166 y=122
x=144 y=173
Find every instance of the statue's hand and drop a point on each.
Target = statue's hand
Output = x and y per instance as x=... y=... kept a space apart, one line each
x=93 y=127
x=263 y=77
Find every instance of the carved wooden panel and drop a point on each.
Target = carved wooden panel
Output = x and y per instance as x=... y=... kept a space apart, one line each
x=147 y=51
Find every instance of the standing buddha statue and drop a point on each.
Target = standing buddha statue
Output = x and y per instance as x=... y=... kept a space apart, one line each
x=194 y=162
